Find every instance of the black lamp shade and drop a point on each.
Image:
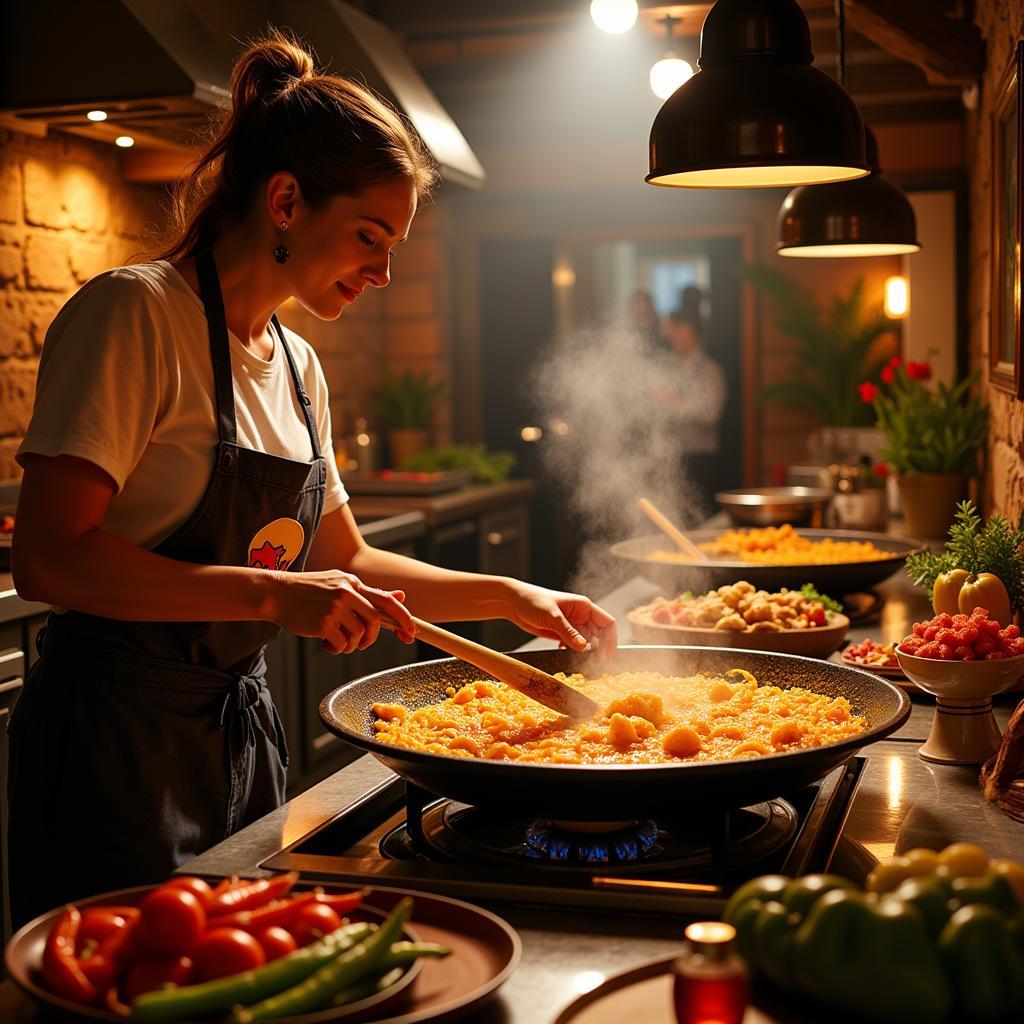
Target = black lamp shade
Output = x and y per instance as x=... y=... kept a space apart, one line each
x=868 y=217
x=757 y=114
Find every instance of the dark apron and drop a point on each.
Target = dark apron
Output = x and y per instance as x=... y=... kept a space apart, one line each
x=136 y=745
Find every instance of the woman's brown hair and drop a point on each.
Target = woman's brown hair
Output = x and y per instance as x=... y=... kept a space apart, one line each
x=333 y=134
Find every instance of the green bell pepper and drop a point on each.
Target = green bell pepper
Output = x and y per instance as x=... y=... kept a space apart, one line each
x=773 y=933
x=929 y=895
x=990 y=889
x=872 y=959
x=745 y=904
x=983 y=961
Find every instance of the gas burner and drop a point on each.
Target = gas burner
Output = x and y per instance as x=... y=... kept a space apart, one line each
x=698 y=848
x=550 y=843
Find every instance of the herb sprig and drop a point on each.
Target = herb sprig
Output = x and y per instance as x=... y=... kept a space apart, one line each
x=810 y=593
x=994 y=547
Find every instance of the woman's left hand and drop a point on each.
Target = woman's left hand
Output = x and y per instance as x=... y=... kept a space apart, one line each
x=572 y=619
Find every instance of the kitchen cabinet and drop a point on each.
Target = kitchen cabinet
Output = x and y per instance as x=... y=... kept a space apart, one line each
x=504 y=550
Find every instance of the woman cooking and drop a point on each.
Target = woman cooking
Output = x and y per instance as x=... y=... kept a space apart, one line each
x=181 y=503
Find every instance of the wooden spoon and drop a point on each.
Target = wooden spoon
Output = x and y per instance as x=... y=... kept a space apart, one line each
x=685 y=545
x=535 y=684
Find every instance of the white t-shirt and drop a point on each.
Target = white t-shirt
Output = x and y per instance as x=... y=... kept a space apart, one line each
x=126 y=382
x=702 y=390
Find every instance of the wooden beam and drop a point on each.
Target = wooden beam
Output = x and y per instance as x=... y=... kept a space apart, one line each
x=154 y=166
x=950 y=52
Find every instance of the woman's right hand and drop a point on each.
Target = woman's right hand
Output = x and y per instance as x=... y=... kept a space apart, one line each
x=338 y=607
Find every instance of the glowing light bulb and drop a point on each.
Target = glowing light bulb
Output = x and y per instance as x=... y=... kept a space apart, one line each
x=563 y=276
x=897 y=297
x=668 y=74
x=97 y=115
x=124 y=141
x=614 y=16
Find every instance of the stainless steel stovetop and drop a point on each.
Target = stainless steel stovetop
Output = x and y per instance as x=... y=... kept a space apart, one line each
x=402 y=836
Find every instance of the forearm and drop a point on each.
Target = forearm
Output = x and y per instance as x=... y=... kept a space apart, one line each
x=100 y=574
x=433 y=593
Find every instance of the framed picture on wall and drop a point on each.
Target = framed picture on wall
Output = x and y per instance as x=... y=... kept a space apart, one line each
x=1004 y=318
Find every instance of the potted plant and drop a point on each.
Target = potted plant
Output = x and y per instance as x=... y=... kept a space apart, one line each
x=933 y=438
x=405 y=403
x=836 y=348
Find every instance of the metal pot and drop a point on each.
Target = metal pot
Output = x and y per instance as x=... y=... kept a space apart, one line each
x=773 y=506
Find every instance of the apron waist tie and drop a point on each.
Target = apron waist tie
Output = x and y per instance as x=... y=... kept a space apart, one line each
x=237 y=712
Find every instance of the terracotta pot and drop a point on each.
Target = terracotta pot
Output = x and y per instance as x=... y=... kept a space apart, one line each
x=406 y=443
x=929 y=502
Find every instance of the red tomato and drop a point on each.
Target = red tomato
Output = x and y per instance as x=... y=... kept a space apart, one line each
x=313 y=922
x=276 y=942
x=223 y=951
x=200 y=889
x=172 y=921
x=150 y=972
x=99 y=923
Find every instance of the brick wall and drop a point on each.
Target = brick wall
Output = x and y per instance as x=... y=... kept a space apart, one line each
x=67 y=215
x=1002 y=24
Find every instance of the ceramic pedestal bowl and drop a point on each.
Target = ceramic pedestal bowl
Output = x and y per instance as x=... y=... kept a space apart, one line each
x=964 y=730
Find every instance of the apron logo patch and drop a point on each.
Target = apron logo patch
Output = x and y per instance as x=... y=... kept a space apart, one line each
x=276 y=545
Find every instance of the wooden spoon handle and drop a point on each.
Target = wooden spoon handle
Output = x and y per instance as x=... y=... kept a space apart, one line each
x=672 y=531
x=538 y=685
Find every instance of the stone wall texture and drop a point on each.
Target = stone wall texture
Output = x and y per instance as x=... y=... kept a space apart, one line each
x=66 y=215
x=1002 y=24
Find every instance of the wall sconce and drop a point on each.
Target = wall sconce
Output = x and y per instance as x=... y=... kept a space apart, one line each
x=897 y=297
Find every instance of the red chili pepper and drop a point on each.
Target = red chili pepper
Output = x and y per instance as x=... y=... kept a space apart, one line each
x=61 y=971
x=111 y=958
x=113 y=1003
x=280 y=912
x=225 y=885
x=248 y=895
x=341 y=902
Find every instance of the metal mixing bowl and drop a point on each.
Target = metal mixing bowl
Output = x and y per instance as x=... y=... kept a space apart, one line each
x=773 y=506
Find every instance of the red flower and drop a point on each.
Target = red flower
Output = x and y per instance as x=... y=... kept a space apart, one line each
x=919 y=371
x=895 y=362
x=868 y=392
x=880 y=469
x=888 y=372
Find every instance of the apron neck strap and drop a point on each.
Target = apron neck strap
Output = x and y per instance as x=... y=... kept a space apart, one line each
x=220 y=351
x=304 y=403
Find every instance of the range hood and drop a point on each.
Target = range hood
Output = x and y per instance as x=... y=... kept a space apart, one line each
x=350 y=43
x=156 y=71
x=150 y=65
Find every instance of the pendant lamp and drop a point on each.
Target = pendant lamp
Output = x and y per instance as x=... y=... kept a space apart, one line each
x=757 y=114
x=868 y=217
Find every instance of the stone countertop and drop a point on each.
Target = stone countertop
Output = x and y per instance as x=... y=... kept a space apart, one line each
x=445 y=508
x=902 y=802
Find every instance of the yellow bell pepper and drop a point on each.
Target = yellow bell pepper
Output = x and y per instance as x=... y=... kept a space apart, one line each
x=946 y=591
x=985 y=590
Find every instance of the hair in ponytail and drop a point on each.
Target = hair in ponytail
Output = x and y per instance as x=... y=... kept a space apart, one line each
x=333 y=134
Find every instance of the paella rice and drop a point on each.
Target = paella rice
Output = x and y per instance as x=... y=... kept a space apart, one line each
x=645 y=718
x=779 y=545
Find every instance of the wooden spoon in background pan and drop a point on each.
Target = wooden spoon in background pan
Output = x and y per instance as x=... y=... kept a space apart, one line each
x=685 y=545
x=530 y=681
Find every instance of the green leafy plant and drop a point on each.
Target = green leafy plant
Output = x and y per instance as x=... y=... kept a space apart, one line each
x=810 y=593
x=488 y=467
x=940 y=430
x=994 y=548
x=835 y=348
x=405 y=401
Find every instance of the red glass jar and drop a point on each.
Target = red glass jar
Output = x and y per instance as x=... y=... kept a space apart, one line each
x=711 y=985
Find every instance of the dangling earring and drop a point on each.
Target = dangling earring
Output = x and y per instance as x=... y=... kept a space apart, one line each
x=281 y=252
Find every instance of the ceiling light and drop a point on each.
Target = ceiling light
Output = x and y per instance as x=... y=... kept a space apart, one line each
x=97 y=115
x=897 y=297
x=614 y=16
x=124 y=141
x=757 y=113
x=671 y=71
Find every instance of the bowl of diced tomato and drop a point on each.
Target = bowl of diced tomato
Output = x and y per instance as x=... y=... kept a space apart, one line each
x=239 y=951
x=962 y=657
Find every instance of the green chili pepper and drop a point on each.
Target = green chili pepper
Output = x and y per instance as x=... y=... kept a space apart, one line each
x=221 y=994
x=397 y=959
x=317 y=990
